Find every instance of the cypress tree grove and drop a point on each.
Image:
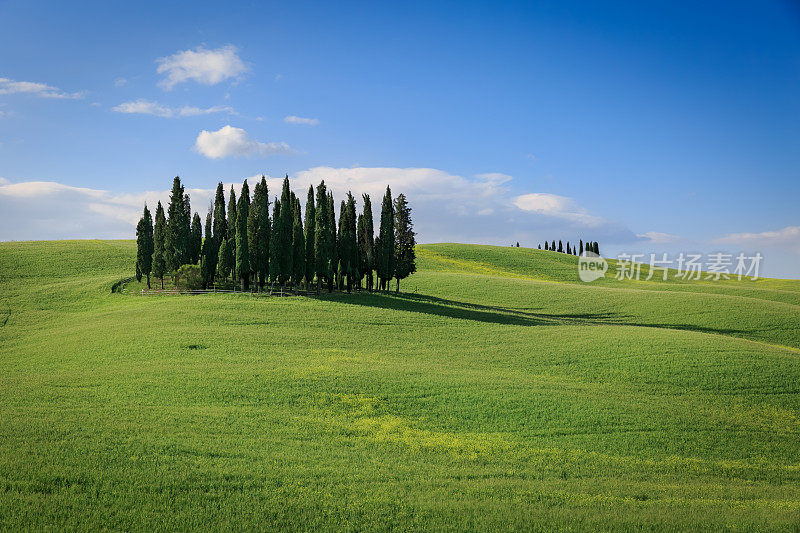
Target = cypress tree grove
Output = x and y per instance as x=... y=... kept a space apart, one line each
x=367 y=241
x=159 y=245
x=333 y=252
x=220 y=232
x=287 y=221
x=298 y=248
x=144 y=244
x=242 y=272
x=177 y=237
x=385 y=250
x=195 y=239
x=405 y=257
x=322 y=236
x=309 y=236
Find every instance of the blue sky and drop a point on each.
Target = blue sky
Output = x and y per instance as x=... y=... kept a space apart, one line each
x=646 y=126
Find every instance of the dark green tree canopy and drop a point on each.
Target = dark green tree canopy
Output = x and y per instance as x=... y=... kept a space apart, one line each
x=404 y=255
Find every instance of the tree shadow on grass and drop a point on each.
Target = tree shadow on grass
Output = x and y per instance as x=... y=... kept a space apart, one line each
x=432 y=305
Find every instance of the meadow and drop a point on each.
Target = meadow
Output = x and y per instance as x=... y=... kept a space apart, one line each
x=496 y=392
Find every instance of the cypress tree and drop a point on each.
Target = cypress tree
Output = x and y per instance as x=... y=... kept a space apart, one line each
x=309 y=237
x=242 y=251
x=224 y=260
x=368 y=241
x=596 y=248
x=540 y=246
x=231 y=227
x=195 y=239
x=144 y=244
x=252 y=232
x=299 y=249
x=333 y=252
x=159 y=245
x=177 y=237
x=553 y=246
x=569 y=251
x=351 y=265
x=385 y=250
x=263 y=229
x=560 y=247
x=341 y=247
x=580 y=249
x=285 y=244
x=275 y=244
x=220 y=224
x=405 y=257
x=208 y=253
x=322 y=243
x=138 y=272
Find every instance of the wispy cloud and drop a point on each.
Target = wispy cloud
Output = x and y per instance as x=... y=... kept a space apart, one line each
x=292 y=119
x=41 y=90
x=656 y=237
x=788 y=237
x=204 y=66
x=235 y=142
x=119 y=82
x=553 y=205
x=146 y=107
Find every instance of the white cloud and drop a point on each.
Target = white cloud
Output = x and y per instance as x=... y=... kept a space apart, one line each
x=119 y=82
x=202 y=65
x=556 y=206
x=788 y=237
x=41 y=90
x=291 y=119
x=146 y=107
x=658 y=238
x=234 y=142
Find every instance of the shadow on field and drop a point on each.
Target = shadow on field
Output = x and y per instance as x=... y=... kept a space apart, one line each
x=431 y=305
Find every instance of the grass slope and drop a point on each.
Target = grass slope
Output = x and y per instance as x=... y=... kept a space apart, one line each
x=499 y=392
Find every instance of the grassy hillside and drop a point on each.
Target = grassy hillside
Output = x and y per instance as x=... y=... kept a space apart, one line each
x=498 y=392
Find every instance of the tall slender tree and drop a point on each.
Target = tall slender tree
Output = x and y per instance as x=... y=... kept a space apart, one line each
x=405 y=257
x=367 y=240
x=242 y=250
x=348 y=250
x=231 y=226
x=144 y=244
x=195 y=239
x=309 y=237
x=263 y=230
x=208 y=252
x=322 y=236
x=275 y=245
x=333 y=251
x=177 y=237
x=286 y=229
x=224 y=264
x=159 y=245
x=220 y=223
x=298 y=248
x=385 y=251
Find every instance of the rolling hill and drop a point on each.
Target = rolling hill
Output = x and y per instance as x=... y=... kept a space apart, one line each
x=496 y=392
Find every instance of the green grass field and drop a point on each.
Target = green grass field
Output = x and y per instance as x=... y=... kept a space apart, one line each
x=497 y=392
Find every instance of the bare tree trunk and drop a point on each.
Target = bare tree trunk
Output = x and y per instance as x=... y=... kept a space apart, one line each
x=148 y=281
